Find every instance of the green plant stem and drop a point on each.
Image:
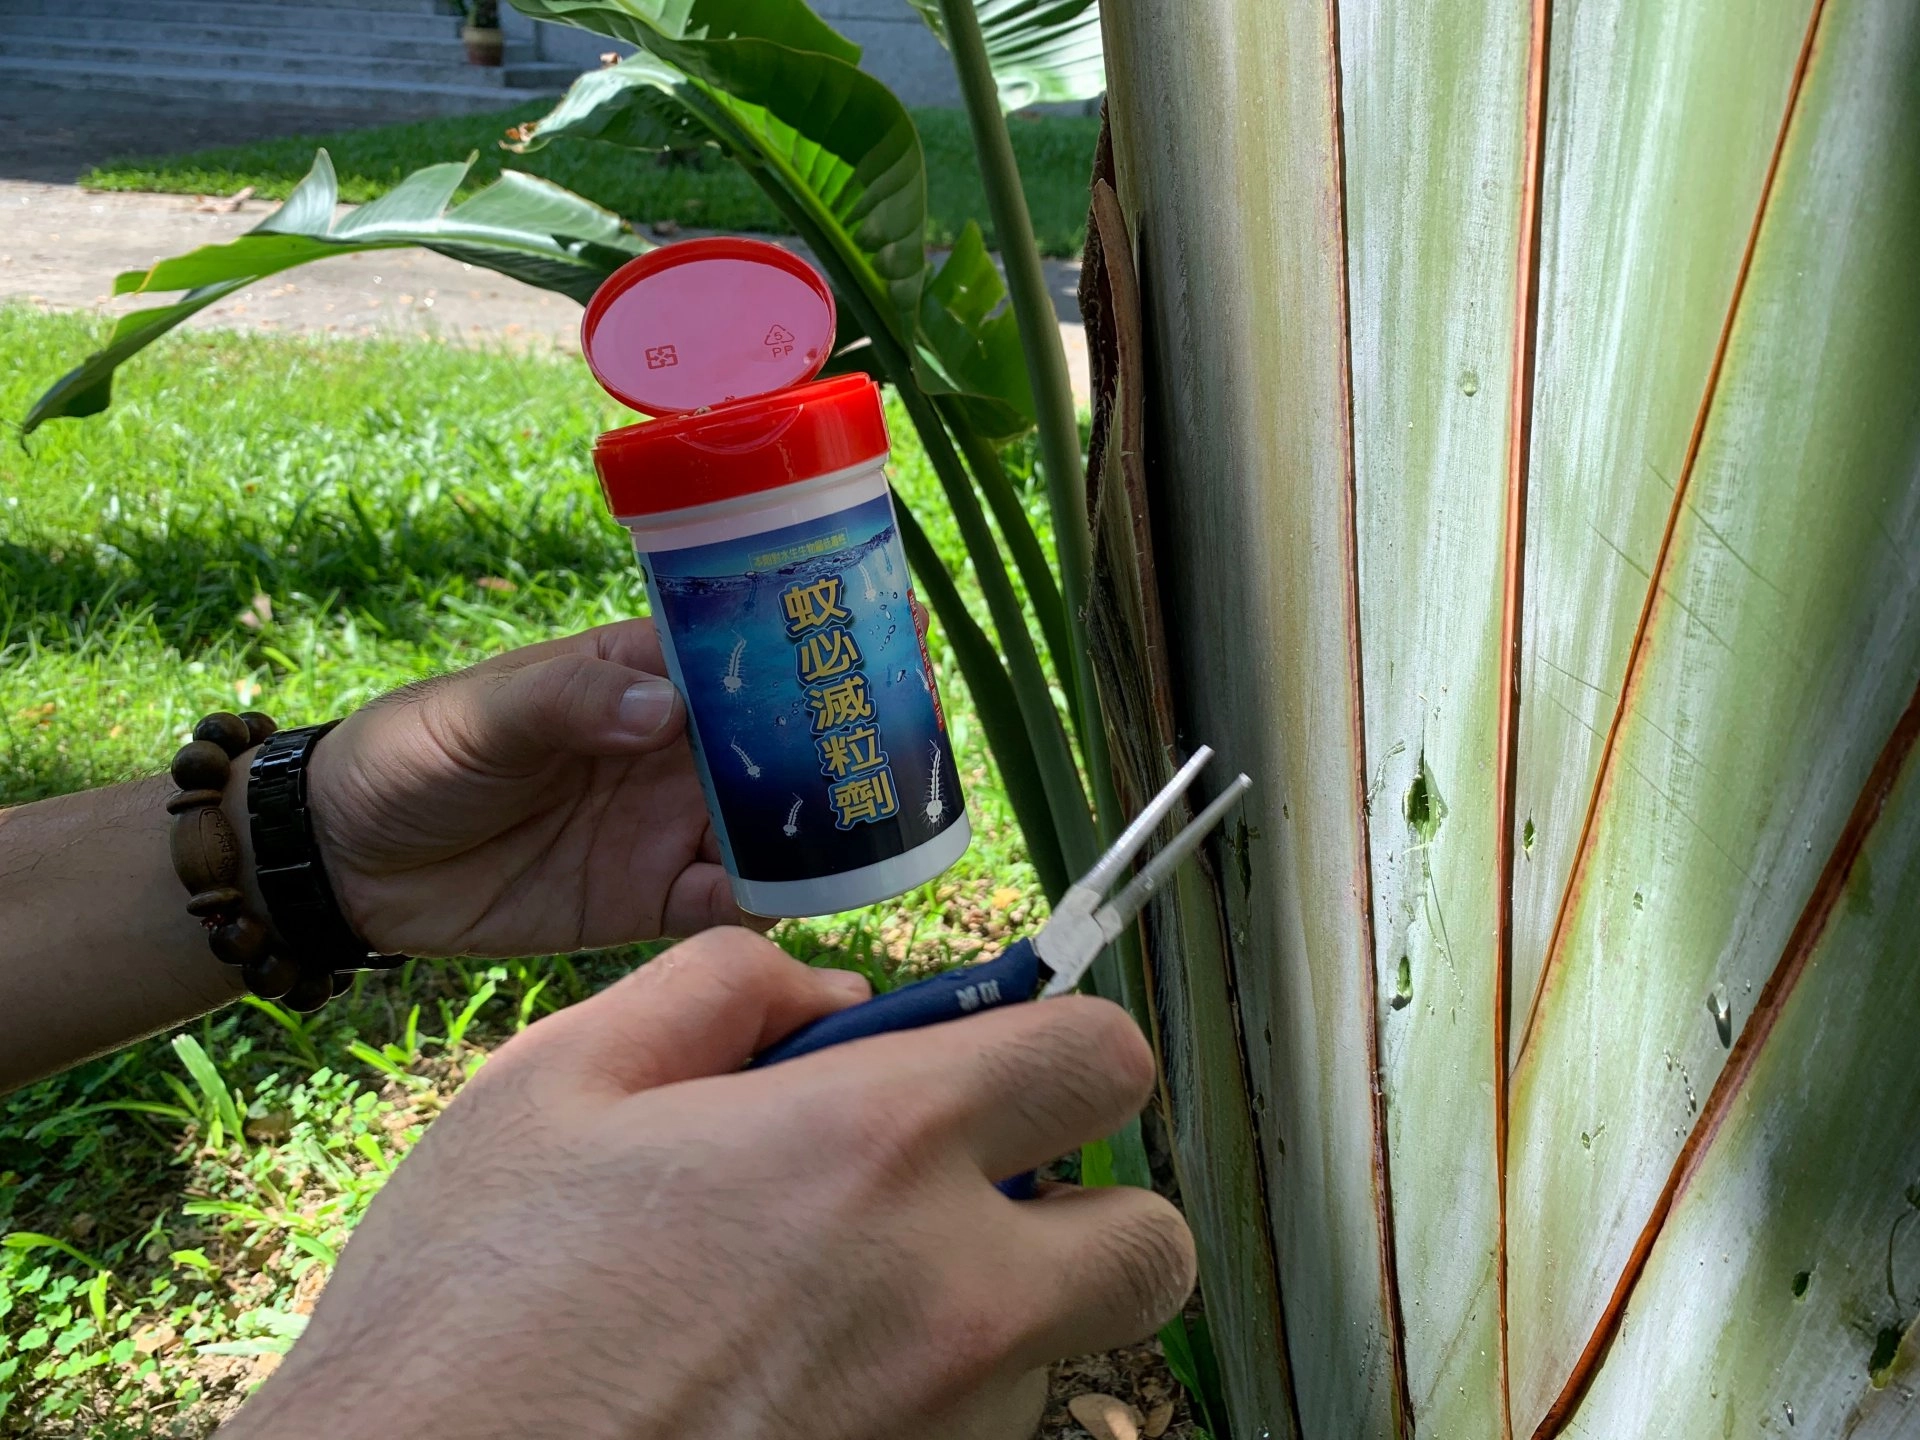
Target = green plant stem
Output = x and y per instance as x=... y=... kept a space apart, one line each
x=1053 y=755
x=993 y=701
x=1036 y=571
x=1059 y=425
x=1120 y=974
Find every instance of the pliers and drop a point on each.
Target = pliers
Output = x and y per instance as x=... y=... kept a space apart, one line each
x=1048 y=963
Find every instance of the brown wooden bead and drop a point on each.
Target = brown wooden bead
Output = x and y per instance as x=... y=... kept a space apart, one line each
x=220 y=900
x=194 y=800
x=259 y=725
x=241 y=941
x=226 y=730
x=201 y=765
x=206 y=852
x=310 y=992
x=272 y=976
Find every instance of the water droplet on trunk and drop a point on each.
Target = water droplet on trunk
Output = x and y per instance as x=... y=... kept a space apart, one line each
x=1721 y=1009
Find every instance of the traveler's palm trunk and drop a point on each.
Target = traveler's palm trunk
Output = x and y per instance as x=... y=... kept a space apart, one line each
x=1517 y=438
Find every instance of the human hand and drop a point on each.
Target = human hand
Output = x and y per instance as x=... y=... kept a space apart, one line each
x=615 y=1232
x=544 y=800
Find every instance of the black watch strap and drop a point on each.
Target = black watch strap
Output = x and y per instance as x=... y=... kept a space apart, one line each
x=293 y=879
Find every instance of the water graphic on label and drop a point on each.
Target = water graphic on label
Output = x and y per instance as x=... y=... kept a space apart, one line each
x=785 y=644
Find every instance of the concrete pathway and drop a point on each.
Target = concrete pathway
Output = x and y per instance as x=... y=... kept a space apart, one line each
x=61 y=247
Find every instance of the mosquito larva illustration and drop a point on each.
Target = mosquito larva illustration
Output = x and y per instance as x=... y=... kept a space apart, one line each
x=731 y=682
x=792 y=827
x=936 y=802
x=753 y=770
x=866 y=580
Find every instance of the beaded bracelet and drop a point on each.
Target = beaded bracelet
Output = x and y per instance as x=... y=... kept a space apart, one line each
x=206 y=857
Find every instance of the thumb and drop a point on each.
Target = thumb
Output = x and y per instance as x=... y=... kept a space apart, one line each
x=704 y=1007
x=515 y=721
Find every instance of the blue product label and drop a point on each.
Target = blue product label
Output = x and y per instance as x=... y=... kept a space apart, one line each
x=814 y=712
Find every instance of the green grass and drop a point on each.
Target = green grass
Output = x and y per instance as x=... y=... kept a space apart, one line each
x=368 y=489
x=1055 y=154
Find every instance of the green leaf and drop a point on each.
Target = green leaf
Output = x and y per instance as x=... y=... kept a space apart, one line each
x=833 y=145
x=1043 y=52
x=206 y=1076
x=31 y=1240
x=970 y=343
x=521 y=226
x=365 y=1053
x=195 y=1259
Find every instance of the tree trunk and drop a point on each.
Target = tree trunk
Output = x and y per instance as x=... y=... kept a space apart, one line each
x=1512 y=460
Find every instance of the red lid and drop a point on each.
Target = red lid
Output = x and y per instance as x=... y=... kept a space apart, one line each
x=718 y=335
x=741 y=449
x=706 y=322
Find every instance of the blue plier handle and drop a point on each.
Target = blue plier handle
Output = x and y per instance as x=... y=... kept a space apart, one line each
x=1049 y=963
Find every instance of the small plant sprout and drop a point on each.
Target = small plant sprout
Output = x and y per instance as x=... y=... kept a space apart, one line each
x=792 y=827
x=936 y=808
x=753 y=770
x=731 y=682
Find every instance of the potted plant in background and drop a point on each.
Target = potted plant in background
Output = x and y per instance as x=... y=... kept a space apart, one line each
x=481 y=34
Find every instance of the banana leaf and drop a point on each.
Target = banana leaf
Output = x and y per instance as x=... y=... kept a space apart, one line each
x=521 y=226
x=1043 y=52
x=1536 y=498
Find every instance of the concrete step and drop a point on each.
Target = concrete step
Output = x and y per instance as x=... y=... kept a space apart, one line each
x=437 y=44
x=377 y=100
x=134 y=18
x=446 y=67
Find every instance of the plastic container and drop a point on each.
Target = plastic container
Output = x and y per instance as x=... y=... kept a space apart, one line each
x=760 y=513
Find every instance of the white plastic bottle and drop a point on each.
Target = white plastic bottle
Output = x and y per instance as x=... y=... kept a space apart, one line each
x=760 y=511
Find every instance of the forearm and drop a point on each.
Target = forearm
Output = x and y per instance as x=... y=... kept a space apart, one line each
x=96 y=946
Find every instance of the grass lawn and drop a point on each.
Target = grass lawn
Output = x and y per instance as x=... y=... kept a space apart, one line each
x=1055 y=154
x=403 y=508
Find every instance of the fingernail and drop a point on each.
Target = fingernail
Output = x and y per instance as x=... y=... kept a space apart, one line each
x=851 y=981
x=647 y=705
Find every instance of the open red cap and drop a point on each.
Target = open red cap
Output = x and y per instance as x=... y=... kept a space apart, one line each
x=706 y=322
x=717 y=337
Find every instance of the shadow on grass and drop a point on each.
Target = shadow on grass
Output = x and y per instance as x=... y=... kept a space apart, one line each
x=191 y=579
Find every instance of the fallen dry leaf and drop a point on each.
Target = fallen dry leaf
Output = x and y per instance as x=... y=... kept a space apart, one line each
x=152 y=1339
x=1105 y=1417
x=1158 y=1419
x=274 y=1125
x=225 y=204
x=1005 y=898
x=259 y=612
x=497 y=584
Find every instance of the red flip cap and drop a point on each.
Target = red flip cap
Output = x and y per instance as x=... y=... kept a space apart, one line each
x=717 y=337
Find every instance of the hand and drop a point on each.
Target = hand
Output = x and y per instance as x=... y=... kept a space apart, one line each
x=615 y=1232
x=545 y=800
